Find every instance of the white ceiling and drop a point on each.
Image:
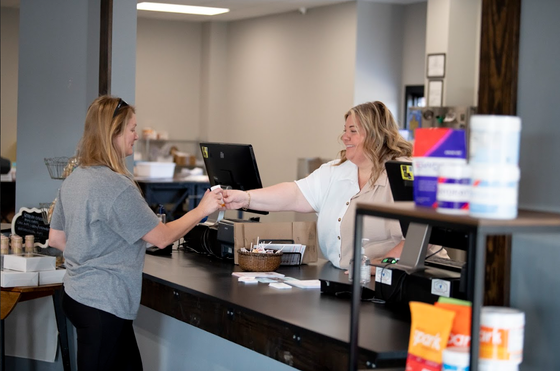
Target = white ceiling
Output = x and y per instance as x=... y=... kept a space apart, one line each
x=239 y=9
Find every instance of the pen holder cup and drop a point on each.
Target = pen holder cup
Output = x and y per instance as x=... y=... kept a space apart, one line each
x=259 y=262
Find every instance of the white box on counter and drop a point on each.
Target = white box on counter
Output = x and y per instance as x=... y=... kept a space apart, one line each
x=14 y=278
x=151 y=169
x=29 y=262
x=49 y=277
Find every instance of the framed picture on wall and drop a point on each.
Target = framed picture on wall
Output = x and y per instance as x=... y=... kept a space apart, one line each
x=436 y=65
x=435 y=93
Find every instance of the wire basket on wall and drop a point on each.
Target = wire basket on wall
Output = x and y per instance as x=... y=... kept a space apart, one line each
x=60 y=167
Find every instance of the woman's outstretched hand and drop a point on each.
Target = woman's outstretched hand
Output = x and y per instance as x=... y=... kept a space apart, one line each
x=235 y=199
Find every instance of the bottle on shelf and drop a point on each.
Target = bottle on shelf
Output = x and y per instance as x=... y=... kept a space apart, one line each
x=365 y=270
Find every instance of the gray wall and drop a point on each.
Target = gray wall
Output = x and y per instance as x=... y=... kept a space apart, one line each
x=414 y=50
x=379 y=50
x=461 y=72
x=168 y=79
x=535 y=285
x=9 y=36
x=57 y=80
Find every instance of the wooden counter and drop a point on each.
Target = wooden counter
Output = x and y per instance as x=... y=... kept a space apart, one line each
x=303 y=328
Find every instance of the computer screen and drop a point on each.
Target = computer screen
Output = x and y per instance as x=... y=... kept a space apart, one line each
x=231 y=164
x=401 y=182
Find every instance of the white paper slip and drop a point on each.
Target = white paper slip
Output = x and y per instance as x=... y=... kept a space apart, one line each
x=305 y=284
x=257 y=274
x=279 y=286
x=288 y=278
x=247 y=280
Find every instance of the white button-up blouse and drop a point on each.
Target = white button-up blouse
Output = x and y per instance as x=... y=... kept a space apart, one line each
x=333 y=192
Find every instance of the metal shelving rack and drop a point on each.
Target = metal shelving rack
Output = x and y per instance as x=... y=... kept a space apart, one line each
x=478 y=230
x=145 y=146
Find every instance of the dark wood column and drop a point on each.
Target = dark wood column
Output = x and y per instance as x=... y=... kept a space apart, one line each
x=499 y=58
x=105 y=46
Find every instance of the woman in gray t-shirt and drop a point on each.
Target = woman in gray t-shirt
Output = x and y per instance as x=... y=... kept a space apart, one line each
x=102 y=224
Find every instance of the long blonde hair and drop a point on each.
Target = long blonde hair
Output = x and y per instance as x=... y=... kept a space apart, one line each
x=383 y=141
x=103 y=123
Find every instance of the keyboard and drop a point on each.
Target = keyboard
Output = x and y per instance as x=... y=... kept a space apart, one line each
x=443 y=263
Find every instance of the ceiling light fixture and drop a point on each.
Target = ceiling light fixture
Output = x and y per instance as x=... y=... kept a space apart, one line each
x=185 y=9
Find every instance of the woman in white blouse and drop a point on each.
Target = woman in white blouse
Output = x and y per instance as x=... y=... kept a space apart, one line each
x=371 y=137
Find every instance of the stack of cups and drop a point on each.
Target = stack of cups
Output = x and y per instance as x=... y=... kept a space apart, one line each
x=5 y=250
x=17 y=244
x=501 y=339
x=493 y=159
x=29 y=244
x=5 y=247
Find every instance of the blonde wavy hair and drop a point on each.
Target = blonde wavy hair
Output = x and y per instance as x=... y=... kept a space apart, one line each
x=383 y=141
x=103 y=123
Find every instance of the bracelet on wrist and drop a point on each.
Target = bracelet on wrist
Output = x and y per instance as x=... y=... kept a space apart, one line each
x=248 y=202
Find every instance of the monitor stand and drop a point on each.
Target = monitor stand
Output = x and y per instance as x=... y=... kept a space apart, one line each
x=415 y=248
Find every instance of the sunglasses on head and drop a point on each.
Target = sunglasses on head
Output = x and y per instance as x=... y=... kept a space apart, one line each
x=121 y=104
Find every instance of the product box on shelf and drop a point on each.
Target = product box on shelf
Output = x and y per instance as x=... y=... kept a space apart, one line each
x=29 y=262
x=14 y=278
x=151 y=169
x=433 y=148
x=50 y=277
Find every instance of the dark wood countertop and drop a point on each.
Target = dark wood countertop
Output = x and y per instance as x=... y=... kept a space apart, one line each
x=313 y=327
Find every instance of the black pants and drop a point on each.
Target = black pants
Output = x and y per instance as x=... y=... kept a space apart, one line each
x=105 y=341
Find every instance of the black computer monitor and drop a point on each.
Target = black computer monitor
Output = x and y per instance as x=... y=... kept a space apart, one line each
x=231 y=164
x=401 y=182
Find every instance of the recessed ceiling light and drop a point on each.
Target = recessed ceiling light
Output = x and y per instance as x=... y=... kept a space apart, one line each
x=185 y=9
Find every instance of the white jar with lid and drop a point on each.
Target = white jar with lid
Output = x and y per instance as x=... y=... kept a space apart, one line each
x=494 y=191
x=494 y=139
x=501 y=335
x=454 y=189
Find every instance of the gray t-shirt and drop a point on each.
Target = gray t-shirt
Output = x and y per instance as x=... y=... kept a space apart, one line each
x=104 y=217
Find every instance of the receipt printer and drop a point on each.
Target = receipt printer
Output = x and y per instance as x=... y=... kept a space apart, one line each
x=214 y=238
x=226 y=236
